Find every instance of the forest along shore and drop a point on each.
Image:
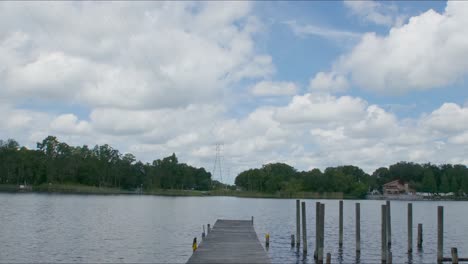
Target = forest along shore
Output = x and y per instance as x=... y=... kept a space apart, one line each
x=55 y=166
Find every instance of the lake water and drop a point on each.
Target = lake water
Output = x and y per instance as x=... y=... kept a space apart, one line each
x=59 y=228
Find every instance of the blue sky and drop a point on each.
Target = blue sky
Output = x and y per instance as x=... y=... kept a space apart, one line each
x=309 y=83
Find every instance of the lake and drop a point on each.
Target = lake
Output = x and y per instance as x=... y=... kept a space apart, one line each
x=155 y=229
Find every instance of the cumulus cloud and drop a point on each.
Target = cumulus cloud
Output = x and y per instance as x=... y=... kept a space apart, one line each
x=132 y=55
x=268 y=88
x=429 y=51
x=321 y=108
x=330 y=82
x=151 y=76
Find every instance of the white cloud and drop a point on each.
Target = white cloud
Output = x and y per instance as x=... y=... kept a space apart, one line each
x=305 y=30
x=321 y=108
x=430 y=51
x=268 y=88
x=151 y=76
x=133 y=55
x=330 y=82
x=450 y=118
x=376 y=12
x=69 y=124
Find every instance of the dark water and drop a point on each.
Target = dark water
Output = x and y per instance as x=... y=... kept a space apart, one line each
x=150 y=229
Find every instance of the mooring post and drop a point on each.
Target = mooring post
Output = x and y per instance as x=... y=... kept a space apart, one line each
x=440 y=233
x=384 y=233
x=304 y=229
x=298 y=224
x=454 y=256
x=317 y=224
x=340 y=239
x=252 y=219
x=328 y=258
x=203 y=233
x=292 y=240
x=420 y=235
x=389 y=257
x=322 y=233
x=194 y=244
x=389 y=225
x=208 y=229
x=410 y=227
x=358 y=227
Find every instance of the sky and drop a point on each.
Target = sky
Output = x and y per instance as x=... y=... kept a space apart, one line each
x=312 y=84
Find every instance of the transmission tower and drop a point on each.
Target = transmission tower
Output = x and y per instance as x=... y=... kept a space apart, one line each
x=218 y=163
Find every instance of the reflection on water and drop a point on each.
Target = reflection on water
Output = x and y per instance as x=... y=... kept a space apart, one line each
x=150 y=229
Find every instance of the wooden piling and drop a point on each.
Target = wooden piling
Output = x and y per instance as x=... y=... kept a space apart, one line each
x=440 y=233
x=384 y=233
x=420 y=235
x=358 y=227
x=389 y=225
x=322 y=233
x=292 y=240
x=252 y=220
x=298 y=224
x=389 y=257
x=454 y=256
x=317 y=223
x=340 y=238
x=328 y=258
x=304 y=229
x=208 y=229
x=203 y=233
x=410 y=227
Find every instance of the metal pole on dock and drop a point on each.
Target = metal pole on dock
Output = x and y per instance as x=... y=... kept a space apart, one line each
x=298 y=224
x=440 y=233
x=358 y=227
x=454 y=256
x=420 y=235
x=340 y=239
x=389 y=225
x=384 y=233
x=317 y=224
x=322 y=233
x=304 y=229
x=410 y=227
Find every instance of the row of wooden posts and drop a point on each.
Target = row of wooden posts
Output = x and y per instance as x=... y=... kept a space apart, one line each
x=386 y=232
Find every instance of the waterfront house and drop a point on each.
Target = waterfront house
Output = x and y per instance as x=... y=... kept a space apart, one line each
x=395 y=187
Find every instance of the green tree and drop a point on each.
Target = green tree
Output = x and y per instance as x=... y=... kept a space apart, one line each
x=429 y=182
x=444 y=184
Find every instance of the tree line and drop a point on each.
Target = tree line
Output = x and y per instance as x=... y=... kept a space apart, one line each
x=102 y=166
x=353 y=181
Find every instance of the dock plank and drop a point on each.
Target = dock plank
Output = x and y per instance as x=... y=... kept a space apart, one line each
x=230 y=241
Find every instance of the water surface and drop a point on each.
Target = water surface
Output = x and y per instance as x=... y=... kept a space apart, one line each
x=58 y=228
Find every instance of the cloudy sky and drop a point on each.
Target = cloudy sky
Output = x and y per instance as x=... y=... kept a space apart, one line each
x=312 y=84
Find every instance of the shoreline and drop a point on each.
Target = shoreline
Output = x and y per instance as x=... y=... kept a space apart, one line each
x=92 y=190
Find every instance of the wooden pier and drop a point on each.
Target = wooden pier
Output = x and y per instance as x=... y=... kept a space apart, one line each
x=230 y=241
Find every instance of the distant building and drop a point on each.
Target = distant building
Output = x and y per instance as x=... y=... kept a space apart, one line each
x=395 y=187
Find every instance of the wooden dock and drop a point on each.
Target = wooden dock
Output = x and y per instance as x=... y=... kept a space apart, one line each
x=230 y=241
